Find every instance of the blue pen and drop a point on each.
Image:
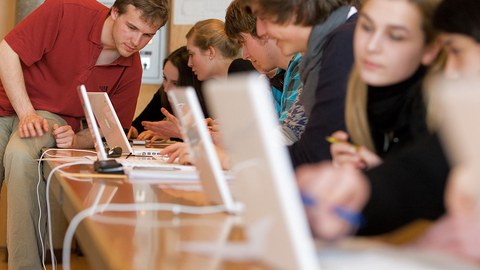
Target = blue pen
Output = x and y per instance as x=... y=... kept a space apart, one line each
x=353 y=218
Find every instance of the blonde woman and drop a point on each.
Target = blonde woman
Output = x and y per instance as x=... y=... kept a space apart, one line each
x=384 y=109
x=210 y=55
x=211 y=52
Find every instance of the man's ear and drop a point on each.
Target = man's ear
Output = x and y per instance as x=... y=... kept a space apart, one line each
x=114 y=13
x=431 y=52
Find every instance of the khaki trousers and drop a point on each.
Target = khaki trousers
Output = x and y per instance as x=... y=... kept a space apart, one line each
x=20 y=166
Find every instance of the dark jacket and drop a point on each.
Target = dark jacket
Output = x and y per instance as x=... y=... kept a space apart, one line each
x=327 y=114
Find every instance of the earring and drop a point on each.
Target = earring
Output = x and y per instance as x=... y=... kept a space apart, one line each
x=210 y=57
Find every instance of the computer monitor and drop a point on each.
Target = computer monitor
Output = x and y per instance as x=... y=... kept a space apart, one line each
x=112 y=129
x=195 y=133
x=91 y=122
x=264 y=177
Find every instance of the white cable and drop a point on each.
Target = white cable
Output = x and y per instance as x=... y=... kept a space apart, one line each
x=38 y=199
x=133 y=207
x=47 y=196
x=155 y=223
x=67 y=149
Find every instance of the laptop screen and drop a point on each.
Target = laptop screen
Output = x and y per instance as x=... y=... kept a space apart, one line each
x=195 y=133
x=264 y=178
x=91 y=122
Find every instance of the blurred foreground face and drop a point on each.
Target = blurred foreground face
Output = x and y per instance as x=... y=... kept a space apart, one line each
x=389 y=41
x=463 y=56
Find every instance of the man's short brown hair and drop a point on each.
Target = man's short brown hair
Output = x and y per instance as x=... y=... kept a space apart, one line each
x=239 y=20
x=303 y=12
x=154 y=12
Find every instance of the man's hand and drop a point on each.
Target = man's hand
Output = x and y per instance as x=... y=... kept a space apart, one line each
x=64 y=136
x=32 y=125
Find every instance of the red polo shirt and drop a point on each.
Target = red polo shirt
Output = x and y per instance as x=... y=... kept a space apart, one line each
x=58 y=45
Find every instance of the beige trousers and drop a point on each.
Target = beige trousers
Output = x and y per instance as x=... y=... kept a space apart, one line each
x=19 y=159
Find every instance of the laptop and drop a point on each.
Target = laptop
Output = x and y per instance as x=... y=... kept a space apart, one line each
x=112 y=129
x=264 y=177
x=195 y=133
x=144 y=168
x=91 y=122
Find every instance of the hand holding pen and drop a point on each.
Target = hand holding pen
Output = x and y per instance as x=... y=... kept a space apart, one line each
x=333 y=198
x=344 y=152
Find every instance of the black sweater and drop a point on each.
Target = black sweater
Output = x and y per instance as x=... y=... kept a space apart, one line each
x=397 y=114
x=409 y=185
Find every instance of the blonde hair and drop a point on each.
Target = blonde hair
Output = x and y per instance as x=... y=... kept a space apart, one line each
x=356 y=118
x=211 y=33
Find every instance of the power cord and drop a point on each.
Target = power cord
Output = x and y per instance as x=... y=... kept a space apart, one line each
x=39 y=170
x=91 y=211
x=132 y=207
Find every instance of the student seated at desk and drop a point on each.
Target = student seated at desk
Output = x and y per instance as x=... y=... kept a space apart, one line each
x=211 y=54
x=42 y=61
x=323 y=32
x=176 y=72
x=411 y=184
x=384 y=109
x=283 y=71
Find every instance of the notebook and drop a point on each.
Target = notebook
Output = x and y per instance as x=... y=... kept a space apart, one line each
x=112 y=129
x=195 y=133
x=264 y=177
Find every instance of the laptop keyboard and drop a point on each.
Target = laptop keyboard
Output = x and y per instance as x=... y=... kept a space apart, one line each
x=144 y=162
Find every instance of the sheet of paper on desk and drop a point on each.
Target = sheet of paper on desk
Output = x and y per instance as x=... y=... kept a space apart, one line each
x=161 y=174
x=391 y=259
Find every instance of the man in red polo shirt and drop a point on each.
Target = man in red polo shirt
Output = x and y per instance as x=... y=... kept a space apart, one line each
x=60 y=45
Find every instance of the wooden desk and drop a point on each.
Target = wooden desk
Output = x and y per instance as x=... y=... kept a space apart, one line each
x=151 y=239
x=143 y=239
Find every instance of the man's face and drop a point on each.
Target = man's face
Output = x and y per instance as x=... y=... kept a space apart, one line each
x=290 y=38
x=260 y=51
x=130 y=32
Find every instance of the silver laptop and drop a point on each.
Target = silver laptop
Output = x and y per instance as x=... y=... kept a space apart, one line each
x=112 y=129
x=143 y=167
x=264 y=178
x=195 y=133
x=91 y=122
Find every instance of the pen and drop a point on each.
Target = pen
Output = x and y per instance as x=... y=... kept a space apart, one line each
x=332 y=140
x=353 y=218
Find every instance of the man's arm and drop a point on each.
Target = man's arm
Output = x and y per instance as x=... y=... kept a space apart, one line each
x=11 y=75
x=66 y=138
x=327 y=115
